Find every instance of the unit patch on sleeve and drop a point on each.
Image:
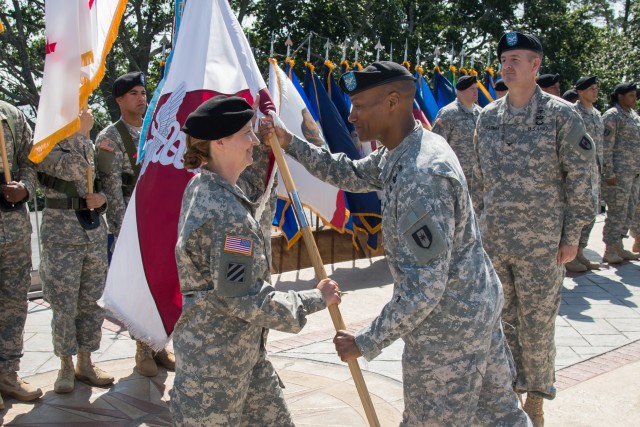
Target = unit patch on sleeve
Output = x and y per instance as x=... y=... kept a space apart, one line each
x=236 y=272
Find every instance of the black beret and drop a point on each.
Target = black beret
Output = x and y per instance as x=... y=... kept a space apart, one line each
x=376 y=74
x=515 y=40
x=465 y=82
x=585 y=82
x=622 y=88
x=547 y=80
x=500 y=86
x=125 y=83
x=218 y=117
x=571 y=95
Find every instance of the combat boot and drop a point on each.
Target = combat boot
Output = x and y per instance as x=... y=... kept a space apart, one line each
x=13 y=386
x=611 y=255
x=576 y=266
x=144 y=360
x=533 y=408
x=166 y=358
x=66 y=380
x=591 y=265
x=87 y=371
x=636 y=245
x=625 y=254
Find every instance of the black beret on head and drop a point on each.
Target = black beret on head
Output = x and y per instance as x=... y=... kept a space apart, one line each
x=585 y=82
x=501 y=86
x=218 y=117
x=465 y=82
x=125 y=83
x=571 y=95
x=515 y=40
x=547 y=80
x=376 y=74
x=622 y=88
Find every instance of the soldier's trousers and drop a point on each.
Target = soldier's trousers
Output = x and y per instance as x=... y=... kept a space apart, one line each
x=476 y=389
x=531 y=287
x=621 y=202
x=253 y=400
x=73 y=281
x=15 y=279
x=585 y=233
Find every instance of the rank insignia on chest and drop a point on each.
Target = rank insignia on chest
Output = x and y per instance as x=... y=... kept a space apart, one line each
x=235 y=272
x=423 y=237
x=107 y=145
x=239 y=245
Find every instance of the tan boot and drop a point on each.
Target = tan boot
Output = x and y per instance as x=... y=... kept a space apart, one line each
x=14 y=386
x=166 y=358
x=611 y=255
x=625 y=254
x=87 y=371
x=144 y=360
x=636 y=245
x=533 y=408
x=66 y=380
x=575 y=266
x=591 y=265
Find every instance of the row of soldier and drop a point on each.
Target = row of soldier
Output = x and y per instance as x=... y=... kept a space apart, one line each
x=533 y=174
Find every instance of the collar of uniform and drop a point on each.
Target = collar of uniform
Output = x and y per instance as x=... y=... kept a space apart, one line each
x=465 y=109
x=526 y=112
x=392 y=156
x=216 y=179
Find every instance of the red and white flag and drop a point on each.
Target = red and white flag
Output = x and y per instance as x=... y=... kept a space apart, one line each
x=211 y=57
x=79 y=35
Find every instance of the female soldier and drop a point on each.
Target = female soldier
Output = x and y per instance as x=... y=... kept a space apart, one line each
x=223 y=377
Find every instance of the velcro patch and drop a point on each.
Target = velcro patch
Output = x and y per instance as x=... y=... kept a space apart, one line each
x=239 y=245
x=585 y=143
x=236 y=272
x=607 y=131
x=107 y=145
x=423 y=237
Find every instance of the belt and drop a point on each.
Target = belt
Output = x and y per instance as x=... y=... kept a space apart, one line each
x=74 y=203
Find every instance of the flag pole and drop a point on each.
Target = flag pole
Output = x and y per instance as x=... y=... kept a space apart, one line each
x=321 y=273
x=5 y=161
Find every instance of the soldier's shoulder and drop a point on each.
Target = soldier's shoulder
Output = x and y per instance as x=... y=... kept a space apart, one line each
x=433 y=156
x=611 y=112
x=492 y=107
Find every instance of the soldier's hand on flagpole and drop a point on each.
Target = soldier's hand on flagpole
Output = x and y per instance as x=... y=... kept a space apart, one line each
x=14 y=192
x=330 y=291
x=346 y=346
x=267 y=128
x=86 y=121
x=94 y=200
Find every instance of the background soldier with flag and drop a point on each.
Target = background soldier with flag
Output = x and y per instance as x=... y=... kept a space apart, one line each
x=18 y=185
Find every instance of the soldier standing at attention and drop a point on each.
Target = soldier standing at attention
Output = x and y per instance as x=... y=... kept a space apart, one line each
x=223 y=376
x=74 y=257
x=447 y=298
x=500 y=89
x=621 y=172
x=456 y=122
x=15 y=251
x=117 y=148
x=587 y=92
x=533 y=190
x=549 y=83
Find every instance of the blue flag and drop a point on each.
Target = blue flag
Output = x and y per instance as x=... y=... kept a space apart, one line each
x=429 y=106
x=444 y=91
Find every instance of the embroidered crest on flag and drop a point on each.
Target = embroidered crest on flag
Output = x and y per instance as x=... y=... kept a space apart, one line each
x=238 y=245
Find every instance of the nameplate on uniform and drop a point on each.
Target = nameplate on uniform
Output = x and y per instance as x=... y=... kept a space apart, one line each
x=239 y=245
x=107 y=145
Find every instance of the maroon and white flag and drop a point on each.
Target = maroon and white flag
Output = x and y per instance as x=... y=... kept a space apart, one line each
x=211 y=57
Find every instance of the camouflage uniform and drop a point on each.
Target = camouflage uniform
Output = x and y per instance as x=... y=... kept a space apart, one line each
x=74 y=260
x=113 y=164
x=533 y=190
x=446 y=301
x=223 y=377
x=456 y=123
x=15 y=245
x=622 y=161
x=595 y=128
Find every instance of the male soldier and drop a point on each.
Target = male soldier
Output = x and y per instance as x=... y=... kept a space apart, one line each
x=447 y=298
x=116 y=163
x=587 y=92
x=74 y=259
x=620 y=170
x=571 y=96
x=15 y=251
x=550 y=83
x=532 y=188
x=456 y=122
x=500 y=89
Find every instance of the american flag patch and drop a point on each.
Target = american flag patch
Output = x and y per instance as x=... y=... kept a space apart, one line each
x=238 y=245
x=107 y=145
